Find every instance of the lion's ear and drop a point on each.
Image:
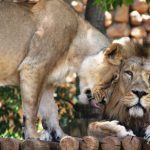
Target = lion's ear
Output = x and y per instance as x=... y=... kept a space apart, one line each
x=113 y=54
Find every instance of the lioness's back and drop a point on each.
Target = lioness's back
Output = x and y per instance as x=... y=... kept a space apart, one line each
x=19 y=24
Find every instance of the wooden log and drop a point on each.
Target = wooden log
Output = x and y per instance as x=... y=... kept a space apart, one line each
x=89 y=143
x=131 y=143
x=54 y=146
x=110 y=143
x=69 y=143
x=35 y=145
x=9 y=144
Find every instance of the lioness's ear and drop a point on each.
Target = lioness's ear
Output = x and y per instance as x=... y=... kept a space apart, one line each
x=113 y=54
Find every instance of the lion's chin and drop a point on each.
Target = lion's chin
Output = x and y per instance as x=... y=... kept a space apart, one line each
x=136 y=112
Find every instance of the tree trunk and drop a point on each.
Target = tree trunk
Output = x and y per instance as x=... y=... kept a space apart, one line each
x=95 y=16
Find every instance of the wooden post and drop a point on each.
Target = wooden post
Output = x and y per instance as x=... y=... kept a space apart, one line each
x=110 y=143
x=35 y=145
x=131 y=143
x=9 y=144
x=89 y=143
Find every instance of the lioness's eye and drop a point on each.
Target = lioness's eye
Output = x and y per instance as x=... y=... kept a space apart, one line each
x=149 y=78
x=129 y=73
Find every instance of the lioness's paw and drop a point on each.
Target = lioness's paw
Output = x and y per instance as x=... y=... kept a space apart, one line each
x=57 y=135
x=53 y=135
x=45 y=136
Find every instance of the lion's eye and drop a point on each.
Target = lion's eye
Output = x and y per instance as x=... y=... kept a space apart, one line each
x=129 y=73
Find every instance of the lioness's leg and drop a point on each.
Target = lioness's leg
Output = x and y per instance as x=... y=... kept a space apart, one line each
x=31 y=82
x=49 y=112
x=99 y=129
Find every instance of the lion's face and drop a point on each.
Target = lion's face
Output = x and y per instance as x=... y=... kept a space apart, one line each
x=134 y=86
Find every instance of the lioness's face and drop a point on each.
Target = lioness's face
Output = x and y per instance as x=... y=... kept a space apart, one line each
x=135 y=86
x=97 y=75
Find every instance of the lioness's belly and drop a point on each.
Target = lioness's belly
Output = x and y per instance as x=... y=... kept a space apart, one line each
x=16 y=30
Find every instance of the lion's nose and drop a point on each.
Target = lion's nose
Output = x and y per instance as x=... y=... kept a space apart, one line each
x=139 y=94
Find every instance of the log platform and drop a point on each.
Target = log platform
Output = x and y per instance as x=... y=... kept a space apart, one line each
x=106 y=143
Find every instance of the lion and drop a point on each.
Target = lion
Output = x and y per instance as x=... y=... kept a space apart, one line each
x=39 y=46
x=127 y=109
x=129 y=105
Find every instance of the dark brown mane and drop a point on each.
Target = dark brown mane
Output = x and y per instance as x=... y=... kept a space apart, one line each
x=135 y=49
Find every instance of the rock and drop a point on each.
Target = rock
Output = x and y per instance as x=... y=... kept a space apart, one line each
x=131 y=143
x=138 y=32
x=147 y=39
x=84 y=2
x=146 y=18
x=108 y=19
x=147 y=26
x=138 y=40
x=141 y=6
x=135 y=18
x=118 y=30
x=122 y=14
x=78 y=6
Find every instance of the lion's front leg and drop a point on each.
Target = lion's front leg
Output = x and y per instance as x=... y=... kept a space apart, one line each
x=49 y=112
x=109 y=128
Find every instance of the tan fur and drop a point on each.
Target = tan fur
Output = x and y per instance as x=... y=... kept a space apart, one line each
x=130 y=100
x=39 y=46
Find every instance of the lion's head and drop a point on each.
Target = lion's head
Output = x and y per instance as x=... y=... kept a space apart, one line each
x=130 y=99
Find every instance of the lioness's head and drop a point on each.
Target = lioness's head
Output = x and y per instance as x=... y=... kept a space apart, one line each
x=131 y=95
x=99 y=72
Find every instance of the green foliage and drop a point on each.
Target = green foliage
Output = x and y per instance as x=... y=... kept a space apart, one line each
x=108 y=4
x=10 y=120
x=11 y=114
x=66 y=100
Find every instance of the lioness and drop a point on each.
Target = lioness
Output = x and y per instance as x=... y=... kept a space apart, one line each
x=130 y=101
x=39 y=46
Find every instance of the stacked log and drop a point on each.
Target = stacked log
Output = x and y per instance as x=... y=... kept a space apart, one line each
x=71 y=143
x=130 y=21
x=126 y=21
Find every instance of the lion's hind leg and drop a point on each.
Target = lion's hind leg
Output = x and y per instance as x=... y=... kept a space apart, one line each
x=105 y=128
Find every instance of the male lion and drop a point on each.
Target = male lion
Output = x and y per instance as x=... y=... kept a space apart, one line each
x=129 y=102
x=39 y=46
x=128 y=105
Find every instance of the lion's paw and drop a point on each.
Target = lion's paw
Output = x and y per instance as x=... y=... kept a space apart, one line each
x=147 y=136
x=108 y=128
x=124 y=133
